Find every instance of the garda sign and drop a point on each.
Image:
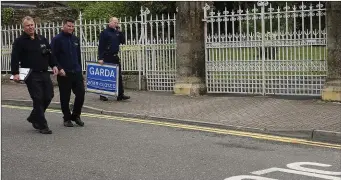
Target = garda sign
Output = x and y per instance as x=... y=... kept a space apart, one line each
x=102 y=79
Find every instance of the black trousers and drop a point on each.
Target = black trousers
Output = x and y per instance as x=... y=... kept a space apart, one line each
x=40 y=87
x=114 y=59
x=75 y=82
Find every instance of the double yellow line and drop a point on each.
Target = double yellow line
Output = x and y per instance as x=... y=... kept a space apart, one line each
x=199 y=128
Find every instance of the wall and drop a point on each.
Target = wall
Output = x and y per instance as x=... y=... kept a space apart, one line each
x=42 y=15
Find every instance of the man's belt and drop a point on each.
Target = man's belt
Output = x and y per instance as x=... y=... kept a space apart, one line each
x=71 y=71
x=112 y=54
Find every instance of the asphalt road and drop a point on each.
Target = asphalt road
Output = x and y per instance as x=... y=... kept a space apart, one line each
x=107 y=148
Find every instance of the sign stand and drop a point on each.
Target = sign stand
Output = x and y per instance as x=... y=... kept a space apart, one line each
x=102 y=79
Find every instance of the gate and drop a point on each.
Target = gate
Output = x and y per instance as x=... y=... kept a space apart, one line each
x=267 y=50
x=149 y=50
x=160 y=51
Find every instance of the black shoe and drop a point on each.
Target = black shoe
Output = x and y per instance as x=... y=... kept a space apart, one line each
x=68 y=123
x=103 y=98
x=34 y=124
x=45 y=131
x=122 y=97
x=78 y=121
x=29 y=119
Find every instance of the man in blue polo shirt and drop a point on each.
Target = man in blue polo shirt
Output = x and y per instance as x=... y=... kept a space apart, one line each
x=66 y=48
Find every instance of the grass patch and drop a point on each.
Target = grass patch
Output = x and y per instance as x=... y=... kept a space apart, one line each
x=274 y=53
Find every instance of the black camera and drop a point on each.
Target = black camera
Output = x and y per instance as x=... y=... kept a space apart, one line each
x=46 y=51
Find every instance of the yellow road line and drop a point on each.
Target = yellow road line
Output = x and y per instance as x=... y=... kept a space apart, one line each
x=200 y=128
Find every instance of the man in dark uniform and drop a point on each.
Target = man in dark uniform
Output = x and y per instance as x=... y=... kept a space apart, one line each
x=108 y=49
x=33 y=51
x=66 y=48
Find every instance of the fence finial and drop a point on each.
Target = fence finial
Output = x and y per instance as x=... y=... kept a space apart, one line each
x=206 y=7
x=144 y=12
x=80 y=16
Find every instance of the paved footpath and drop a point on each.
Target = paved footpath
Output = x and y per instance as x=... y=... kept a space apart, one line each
x=306 y=118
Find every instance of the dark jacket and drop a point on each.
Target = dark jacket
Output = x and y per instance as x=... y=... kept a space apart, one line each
x=109 y=42
x=31 y=53
x=66 y=48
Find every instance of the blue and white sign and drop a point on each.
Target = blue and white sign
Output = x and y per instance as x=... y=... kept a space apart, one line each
x=102 y=79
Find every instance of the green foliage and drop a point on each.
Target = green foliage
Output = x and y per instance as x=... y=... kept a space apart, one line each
x=159 y=7
x=79 y=5
x=106 y=9
x=6 y=15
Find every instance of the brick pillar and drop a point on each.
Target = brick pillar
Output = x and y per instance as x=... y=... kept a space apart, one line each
x=190 y=49
x=332 y=87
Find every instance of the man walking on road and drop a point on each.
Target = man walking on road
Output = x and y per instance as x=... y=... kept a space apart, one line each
x=108 y=49
x=33 y=51
x=66 y=48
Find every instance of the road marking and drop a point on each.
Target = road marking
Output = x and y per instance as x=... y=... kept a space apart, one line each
x=245 y=177
x=275 y=169
x=298 y=166
x=295 y=168
x=199 y=128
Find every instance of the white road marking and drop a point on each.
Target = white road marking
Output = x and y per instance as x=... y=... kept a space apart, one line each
x=275 y=169
x=298 y=166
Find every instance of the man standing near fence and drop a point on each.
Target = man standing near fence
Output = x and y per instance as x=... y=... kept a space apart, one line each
x=33 y=51
x=108 y=49
x=66 y=48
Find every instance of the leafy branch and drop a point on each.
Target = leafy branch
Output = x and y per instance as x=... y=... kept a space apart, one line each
x=6 y=15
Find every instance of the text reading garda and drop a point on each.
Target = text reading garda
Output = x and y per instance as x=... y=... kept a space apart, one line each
x=97 y=71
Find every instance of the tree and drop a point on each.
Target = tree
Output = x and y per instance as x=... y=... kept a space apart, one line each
x=6 y=16
x=106 y=9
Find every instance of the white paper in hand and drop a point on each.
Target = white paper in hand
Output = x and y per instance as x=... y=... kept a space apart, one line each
x=23 y=73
